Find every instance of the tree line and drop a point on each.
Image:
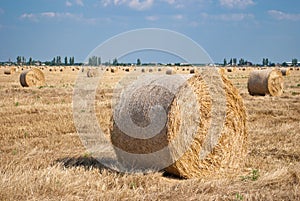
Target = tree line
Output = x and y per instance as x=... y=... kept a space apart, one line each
x=265 y=62
x=56 y=61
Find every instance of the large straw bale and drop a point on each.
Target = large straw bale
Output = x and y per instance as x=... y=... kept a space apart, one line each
x=268 y=81
x=189 y=117
x=32 y=77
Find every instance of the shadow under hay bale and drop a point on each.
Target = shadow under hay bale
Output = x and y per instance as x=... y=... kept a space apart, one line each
x=192 y=100
x=32 y=77
x=263 y=82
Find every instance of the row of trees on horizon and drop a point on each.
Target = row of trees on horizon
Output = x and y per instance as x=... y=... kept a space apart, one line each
x=96 y=61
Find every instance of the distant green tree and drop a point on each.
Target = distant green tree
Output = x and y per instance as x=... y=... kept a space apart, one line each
x=66 y=61
x=138 y=62
x=294 y=62
x=230 y=62
x=30 y=61
x=284 y=64
x=115 y=62
x=99 y=61
x=234 y=61
x=265 y=62
x=19 y=60
x=53 y=62
x=225 y=62
x=242 y=62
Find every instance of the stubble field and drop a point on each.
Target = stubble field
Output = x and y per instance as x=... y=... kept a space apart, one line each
x=42 y=157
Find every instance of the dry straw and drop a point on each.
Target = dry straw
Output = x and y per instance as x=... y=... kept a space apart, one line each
x=32 y=77
x=226 y=157
x=268 y=81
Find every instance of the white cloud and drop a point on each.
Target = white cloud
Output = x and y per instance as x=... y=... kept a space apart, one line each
x=228 y=17
x=152 y=18
x=36 y=17
x=140 y=5
x=236 y=3
x=177 y=17
x=48 y=14
x=79 y=2
x=68 y=4
x=279 y=15
x=134 y=4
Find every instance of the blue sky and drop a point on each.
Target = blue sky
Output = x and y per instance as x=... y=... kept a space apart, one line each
x=249 y=29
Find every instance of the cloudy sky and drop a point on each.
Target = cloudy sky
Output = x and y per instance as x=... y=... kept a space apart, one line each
x=249 y=29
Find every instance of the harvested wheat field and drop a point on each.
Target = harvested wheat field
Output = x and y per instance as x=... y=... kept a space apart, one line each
x=43 y=158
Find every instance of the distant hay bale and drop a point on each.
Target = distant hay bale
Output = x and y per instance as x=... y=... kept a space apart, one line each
x=32 y=77
x=150 y=70
x=169 y=71
x=297 y=68
x=192 y=71
x=10 y=71
x=61 y=69
x=159 y=69
x=126 y=69
x=143 y=70
x=92 y=72
x=229 y=70
x=262 y=82
x=189 y=112
x=113 y=70
x=285 y=71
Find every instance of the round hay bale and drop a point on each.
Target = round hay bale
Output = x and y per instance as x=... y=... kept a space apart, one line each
x=229 y=70
x=192 y=71
x=10 y=71
x=126 y=69
x=169 y=71
x=150 y=70
x=285 y=71
x=92 y=73
x=262 y=82
x=297 y=68
x=143 y=70
x=225 y=158
x=32 y=77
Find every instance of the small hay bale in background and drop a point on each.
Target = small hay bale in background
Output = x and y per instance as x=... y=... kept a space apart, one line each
x=297 y=68
x=92 y=72
x=228 y=155
x=126 y=69
x=10 y=71
x=192 y=71
x=285 y=71
x=32 y=77
x=262 y=82
x=169 y=71
x=143 y=70
x=229 y=70
x=150 y=70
